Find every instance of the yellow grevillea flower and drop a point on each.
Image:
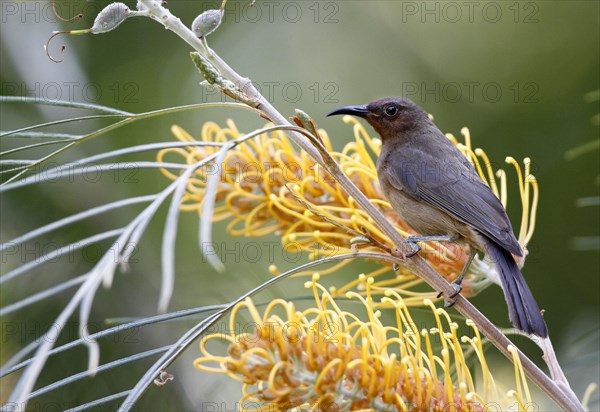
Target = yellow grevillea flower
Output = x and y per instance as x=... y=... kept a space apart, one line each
x=267 y=186
x=324 y=358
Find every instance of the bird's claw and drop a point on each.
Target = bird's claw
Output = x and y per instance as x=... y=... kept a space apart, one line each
x=415 y=246
x=449 y=303
x=396 y=252
x=457 y=289
x=451 y=300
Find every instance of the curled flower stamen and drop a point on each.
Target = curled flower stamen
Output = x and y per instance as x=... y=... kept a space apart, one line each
x=359 y=363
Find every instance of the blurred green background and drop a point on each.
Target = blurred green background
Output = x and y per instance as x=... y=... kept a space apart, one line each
x=515 y=73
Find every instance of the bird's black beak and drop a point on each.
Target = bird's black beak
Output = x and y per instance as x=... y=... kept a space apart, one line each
x=360 y=111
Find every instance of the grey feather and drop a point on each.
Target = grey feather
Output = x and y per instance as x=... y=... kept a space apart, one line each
x=453 y=186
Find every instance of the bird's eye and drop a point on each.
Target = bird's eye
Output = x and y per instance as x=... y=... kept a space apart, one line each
x=390 y=110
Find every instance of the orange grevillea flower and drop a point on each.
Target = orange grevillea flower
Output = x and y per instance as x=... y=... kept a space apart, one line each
x=267 y=186
x=324 y=358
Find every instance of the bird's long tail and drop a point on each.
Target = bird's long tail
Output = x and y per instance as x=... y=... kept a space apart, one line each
x=523 y=311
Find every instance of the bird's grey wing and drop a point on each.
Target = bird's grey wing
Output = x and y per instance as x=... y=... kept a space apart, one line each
x=455 y=188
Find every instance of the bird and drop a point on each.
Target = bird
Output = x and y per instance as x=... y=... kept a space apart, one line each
x=433 y=187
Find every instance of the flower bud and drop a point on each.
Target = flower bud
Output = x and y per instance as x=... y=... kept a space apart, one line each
x=207 y=22
x=110 y=17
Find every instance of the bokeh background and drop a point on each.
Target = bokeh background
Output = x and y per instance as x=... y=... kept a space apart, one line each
x=520 y=75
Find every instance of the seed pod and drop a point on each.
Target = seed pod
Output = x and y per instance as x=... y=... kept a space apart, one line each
x=207 y=22
x=110 y=17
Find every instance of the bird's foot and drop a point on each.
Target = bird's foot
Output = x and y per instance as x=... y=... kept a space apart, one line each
x=437 y=238
x=397 y=253
x=413 y=242
x=456 y=285
x=451 y=300
x=414 y=239
x=416 y=249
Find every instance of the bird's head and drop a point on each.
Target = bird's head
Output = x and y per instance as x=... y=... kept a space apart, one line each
x=390 y=117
